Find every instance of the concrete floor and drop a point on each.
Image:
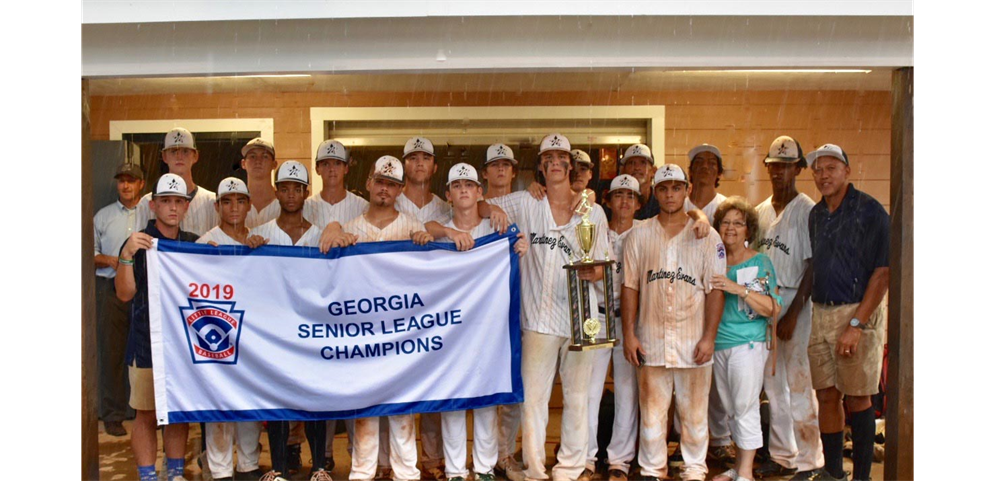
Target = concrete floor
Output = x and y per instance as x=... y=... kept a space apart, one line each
x=116 y=462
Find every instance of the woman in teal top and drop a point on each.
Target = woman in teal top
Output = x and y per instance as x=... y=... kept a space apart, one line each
x=751 y=299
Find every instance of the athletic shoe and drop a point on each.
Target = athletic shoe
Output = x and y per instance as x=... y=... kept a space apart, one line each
x=509 y=469
x=437 y=473
x=456 y=478
x=817 y=475
x=321 y=475
x=485 y=477
x=383 y=472
x=676 y=460
x=723 y=456
x=248 y=475
x=293 y=458
x=771 y=469
x=586 y=475
x=272 y=476
x=617 y=475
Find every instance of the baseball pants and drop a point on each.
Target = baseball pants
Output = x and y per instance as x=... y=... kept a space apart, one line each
x=625 y=429
x=485 y=451
x=403 y=447
x=540 y=353
x=719 y=419
x=509 y=420
x=219 y=438
x=795 y=440
x=657 y=386
x=739 y=376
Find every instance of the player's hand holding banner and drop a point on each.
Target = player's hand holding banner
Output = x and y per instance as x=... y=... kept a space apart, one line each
x=283 y=333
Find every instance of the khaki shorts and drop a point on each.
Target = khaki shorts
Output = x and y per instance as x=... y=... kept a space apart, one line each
x=142 y=388
x=858 y=375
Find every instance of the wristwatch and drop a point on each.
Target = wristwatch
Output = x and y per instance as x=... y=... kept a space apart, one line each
x=859 y=325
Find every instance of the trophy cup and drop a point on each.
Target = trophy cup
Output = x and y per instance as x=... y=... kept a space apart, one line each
x=584 y=328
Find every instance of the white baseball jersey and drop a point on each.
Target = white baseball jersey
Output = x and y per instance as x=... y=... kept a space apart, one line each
x=218 y=236
x=437 y=209
x=277 y=237
x=784 y=238
x=618 y=243
x=321 y=213
x=400 y=229
x=544 y=280
x=709 y=209
x=259 y=217
x=671 y=275
x=200 y=218
x=482 y=229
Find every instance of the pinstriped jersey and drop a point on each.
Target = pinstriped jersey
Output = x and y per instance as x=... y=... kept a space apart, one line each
x=785 y=238
x=218 y=236
x=277 y=237
x=259 y=217
x=709 y=209
x=400 y=229
x=481 y=229
x=321 y=213
x=671 y=275
x=618 y=243
x=544 y=280
x=437 y=209
x=200 y=217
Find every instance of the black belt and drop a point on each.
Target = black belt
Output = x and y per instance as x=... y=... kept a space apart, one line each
x=602 y=311
x=835 y=303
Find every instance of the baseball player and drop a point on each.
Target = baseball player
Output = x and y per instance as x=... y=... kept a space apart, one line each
x=233 y=206
x=334 y=203
x=417 y=199
x=666 y=281
x=383 y=222
x=705 y=169
x=623 y=198
x=259 y=161
x=549 y=224
x=180 y=154
x=464 y=191
x=291 y=228
x=583 y=172
x=111 y=227
x=500 y=170
x=638 y=162
x=168 y=203
x=849 y=234
x=794 y=422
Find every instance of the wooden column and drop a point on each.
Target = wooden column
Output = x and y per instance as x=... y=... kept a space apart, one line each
x=90 y=451
x=899 y=438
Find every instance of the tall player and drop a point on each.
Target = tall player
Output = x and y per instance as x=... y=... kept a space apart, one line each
x=583 y=171
x=180 y=154
x=550 y=224
x=464 y=191
x=291 y=228
x=794 y=421
x=334 y=203
x=168 y=203
x=233 y=206
x=259 y=161
x=672 y=341
x=623 y=198
x=638 y=162
x=500 y=170
x=705 y=169
x=383 y=222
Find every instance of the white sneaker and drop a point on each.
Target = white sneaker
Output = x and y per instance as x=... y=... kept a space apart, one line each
x=321 y=475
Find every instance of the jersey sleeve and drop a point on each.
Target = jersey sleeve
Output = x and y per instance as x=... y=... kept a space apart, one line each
x=713 y=258
x=143 y=213
x=512 y=204
x=805 y=235
x=630 y=261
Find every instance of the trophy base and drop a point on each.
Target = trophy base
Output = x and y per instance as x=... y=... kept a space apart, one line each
x=590 y=346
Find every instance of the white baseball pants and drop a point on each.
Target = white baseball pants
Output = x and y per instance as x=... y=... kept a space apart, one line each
x=485 y=451
x=403 y=448
x=625 y=429
x=657 y=385
x=219 y=438
x=739 y=377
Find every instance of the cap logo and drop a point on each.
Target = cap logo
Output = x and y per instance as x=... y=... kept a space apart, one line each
x=783 y=148
x=331 y=149
x=177 y=137
x=231 y=185
x=667 y=171
x=418 y=144
x=624 y=182
x=388 y=168
x=293 y=171
x=462 y=171
x=555 y=141
x=501 y=151
x=173 y=185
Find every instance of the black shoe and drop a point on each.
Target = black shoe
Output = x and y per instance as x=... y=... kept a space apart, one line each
x=329 y=464
x=253 y=475
x=115 y=428
x=675 y=460
x=294 y=458
x=771 y=469
x=817 y=475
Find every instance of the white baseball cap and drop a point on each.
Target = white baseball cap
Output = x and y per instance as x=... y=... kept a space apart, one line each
x=232 y=185
x=388 y=167
x=624 y=181
x=578 y=155
x=463 y=171
x=498 y=152
x=669 y=172
x=418 y=144
x=179 y=138
x=637 y=150
x=785 y=149
x=828 y=150
x=170 y=185
x=554 y=142
x=704 y=148
x=332 y=149
x=292 y=171
x=259 y=142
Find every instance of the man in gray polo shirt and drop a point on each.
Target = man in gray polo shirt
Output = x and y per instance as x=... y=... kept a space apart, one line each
x=111 y=227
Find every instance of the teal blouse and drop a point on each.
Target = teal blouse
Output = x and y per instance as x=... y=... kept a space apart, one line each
x=740 y=324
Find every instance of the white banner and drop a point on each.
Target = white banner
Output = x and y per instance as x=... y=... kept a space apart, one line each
x=286 y=333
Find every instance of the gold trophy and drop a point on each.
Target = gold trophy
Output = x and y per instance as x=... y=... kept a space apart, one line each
x=585 y=328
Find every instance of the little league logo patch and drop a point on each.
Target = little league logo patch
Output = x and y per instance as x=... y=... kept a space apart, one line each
x=213 y=329
x=720 y=250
